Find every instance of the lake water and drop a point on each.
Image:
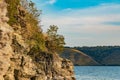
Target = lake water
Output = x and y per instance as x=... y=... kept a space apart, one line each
x=97 y=72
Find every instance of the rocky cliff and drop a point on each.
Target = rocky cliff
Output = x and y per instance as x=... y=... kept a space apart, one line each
x=16 y=65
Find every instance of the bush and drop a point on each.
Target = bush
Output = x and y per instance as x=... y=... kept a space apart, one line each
x=29 y=23
x=12 y=10
x=55 y=42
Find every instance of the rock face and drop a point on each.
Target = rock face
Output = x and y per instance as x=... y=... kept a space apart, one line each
x=48 y=67
x=19 y=66
x=5 y=41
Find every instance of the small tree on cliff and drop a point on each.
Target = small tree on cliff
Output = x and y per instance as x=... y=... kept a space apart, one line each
x=55 y=42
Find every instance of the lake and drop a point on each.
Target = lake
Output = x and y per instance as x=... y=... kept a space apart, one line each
x=97 y=72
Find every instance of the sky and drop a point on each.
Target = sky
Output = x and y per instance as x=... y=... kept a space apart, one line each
x=83 y=22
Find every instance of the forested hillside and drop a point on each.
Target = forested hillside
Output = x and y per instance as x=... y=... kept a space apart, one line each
x=104 y=55
x=100 y=52
x=78 y=58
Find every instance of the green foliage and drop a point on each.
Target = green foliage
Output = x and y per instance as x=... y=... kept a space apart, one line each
x=99 y=52
x=27 y=17
x=37 y=42
x=23 y=13
x=33 y=33
x=12 y=10
x=30 y=7
x=55 y=42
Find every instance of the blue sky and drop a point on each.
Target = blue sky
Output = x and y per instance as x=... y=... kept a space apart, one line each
x=83 y=22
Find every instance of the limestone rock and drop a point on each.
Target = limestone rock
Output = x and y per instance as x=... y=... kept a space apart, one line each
x=5 y=41
x=16 y=65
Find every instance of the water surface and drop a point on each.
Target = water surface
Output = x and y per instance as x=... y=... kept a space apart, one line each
x=97 y=72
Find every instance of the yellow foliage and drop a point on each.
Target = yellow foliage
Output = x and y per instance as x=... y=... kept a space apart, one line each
x=27 y=19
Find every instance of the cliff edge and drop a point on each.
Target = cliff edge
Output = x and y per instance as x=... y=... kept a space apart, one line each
x=16 y=64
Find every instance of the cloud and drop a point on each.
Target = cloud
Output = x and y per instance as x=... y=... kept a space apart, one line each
x=67 y=10
x=51 y=1
x=99 y=25
x=112 y=23
x=44 y=3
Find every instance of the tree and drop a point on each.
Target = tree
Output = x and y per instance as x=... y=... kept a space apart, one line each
x=54 y=42
x=30 y=7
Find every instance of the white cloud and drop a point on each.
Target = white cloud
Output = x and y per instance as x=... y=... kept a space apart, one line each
x=51 y=1
x=86 y=26
x=44 y=3
x=67 y=10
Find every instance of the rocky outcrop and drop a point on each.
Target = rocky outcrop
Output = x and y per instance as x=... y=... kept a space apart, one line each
x=5 y=41
x=15 y=65
x=48 y=67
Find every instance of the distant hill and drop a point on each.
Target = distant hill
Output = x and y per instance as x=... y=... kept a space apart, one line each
x=104 y=55
x=88 y=56
x=112 y=59
x=78 y=57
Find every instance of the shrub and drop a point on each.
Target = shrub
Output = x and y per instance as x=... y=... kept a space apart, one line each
x=12 y=10
x=29 y=23
x=55 y=42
